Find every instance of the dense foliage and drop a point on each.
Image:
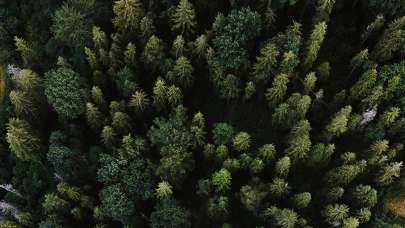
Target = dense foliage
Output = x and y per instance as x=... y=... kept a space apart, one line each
x=195 y=113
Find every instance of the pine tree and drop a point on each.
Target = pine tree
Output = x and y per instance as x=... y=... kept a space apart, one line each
x=153 y=53
x=26 y=50
x=164 y=190
x=389 y=173
x=147 y=28
x=323 y=10
x=301 y=200
x=314 y=44
x=266 y=62
x=221 y=180
x=71 y=27
x=391 y=41
x=242 y=142
x=128 y=14
x=130 y=55
x=276 y=93
x=139 y=101
x=279 y=188
x=282 y=167
x=336 y=213
x=364 y=196
x=22 y=142
x=309 y=82
x=338 y=124
x=94 y=116
x=64 y=92
x=359 y=59
x=364 y=85
x=182 y=73
x=183 y=18
x=168 y=213
x=178 y=46
x=299 y=142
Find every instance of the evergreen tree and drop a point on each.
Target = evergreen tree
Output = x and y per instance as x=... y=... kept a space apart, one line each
x=128 y=14
x=314 y=44
x=22 y=142
x=183 y=18
x=276 y=93
x=64 y=92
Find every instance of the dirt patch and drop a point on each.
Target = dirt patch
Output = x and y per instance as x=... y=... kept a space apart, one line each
x=397 y=205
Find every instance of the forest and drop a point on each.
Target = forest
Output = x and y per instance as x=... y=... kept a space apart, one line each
x=199 y=113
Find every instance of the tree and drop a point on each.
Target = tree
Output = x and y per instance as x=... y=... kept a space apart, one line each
x=139 y=101
x=335 y=213
x=164 y=190
x=182 y=72
x=153 y=53
x=343 y=175
x=389 y=173
x=221 y=181
x=218 y=207
x=391 y=41
x=93 y=116
x=266 y=62
x=282 y=167
x=116 y=203
x=183 y=18
x=53 y=203
x=71 y=27
x=229 y=88
x=267 y=152
x=364 y=196
x=63 y=159
x=276 y=93
x=26 y=50
x=223 y=133
x=313 y=44
x=233 y=33
x=147 y=28
x=301 y=200
x=64 y=92
x=108 y=135
x=285 y=218
x=22 y=142
x=242 y=142
x=287 y=114
x=252 y=197
x=279 y=188
x=320 y=154
x=299 y=142
x=350 y=223
x=128 y=14
x=364 y=85
x=168 y=213
x=338 y=124
x=323 y=10
x=309 y=82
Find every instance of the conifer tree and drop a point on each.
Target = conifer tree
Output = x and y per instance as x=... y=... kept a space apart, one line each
x=128 y=14
x=338 y=124
x=183 y=18
x=22 y=142
x=313 y=45
x=299 y=142
x=275 y=94
x=266 y=62
x=182 y=73
x=64 y=93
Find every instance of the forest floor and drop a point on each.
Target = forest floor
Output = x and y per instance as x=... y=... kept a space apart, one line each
x=397 y=205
